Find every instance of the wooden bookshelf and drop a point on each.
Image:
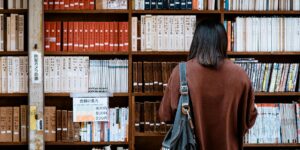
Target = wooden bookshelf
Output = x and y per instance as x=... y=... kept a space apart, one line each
x=13 y=11
x=13 y=94
x=10 y=53
x=68 y=94
x=272 y=145
x=261 y=12
x=175 y=12
x=140 y=134
x=103 y=11
x=182 y=53
x=86 y=53
x=13 y=143
x=85 y=143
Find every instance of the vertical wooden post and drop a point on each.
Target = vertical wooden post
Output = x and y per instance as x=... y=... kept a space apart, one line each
x=36 y=88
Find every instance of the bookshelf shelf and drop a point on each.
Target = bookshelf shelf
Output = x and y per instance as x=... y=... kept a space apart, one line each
x=106 y=11
x=13 y=94
x=16 y=11
x=140 y=134
x=166 y=53
x=273 y=145
x=86 y=53
x=14 y=53
x=13 y=143
x=85 y=143
x=256 y=94
x=175 y=12
x=261 y=12
x=68 y=94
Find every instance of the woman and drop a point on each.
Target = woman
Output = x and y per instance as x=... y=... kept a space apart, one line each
x=220 y=92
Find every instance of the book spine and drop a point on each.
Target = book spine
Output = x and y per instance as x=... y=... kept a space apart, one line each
x=65 y=36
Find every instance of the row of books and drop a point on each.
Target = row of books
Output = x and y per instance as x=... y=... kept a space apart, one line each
x=151 y=76
x=262 y=5
x=14 y=4
x=146 y=118
x=84 y=4
x=13 y=124
x=69 y=5
x=14 y=25
x=86 y=36
x=163 y=33
x=14 y=74
x=275 y=123
x=271 y=77
x=109 y=148
x=59 y=126
x=255 y=34
x=79 y=74
x=176 y=4
x=66 y=74
x=108 y=76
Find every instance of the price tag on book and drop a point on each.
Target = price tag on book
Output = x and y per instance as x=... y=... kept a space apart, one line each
x=90 y=109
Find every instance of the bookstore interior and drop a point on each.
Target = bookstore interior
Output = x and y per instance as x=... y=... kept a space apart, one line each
x=90 y=74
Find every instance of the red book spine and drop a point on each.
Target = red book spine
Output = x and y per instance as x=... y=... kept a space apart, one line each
x=101 y=34
x=76 y=37
x=53 y=36
x=116 y=37
x=86 y=36
x=65 y=36
x=121 y=36
x=71 y=5
x=67 y=4
x=125 y=39
x=92 y=36
x=106 y=36
x=56 y=4
x=86 y=4
x=47 y=36
x=92 y=4
x=97 y=36
x=50 y=4
x=76 y=4
x=46 y=5
x=81 y=4
x=58 y=36
x=62 y=4
x=70 y=37
x=111 y=36
x=80 y=36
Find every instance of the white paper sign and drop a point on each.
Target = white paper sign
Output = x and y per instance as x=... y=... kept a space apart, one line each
x=90 y=109
x=36 y=65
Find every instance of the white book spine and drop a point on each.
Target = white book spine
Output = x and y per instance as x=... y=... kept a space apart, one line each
x=143 y=28
x=148 y=33
x=13 y=32
x=160 y=29
x=8 y=36
x=21 y=32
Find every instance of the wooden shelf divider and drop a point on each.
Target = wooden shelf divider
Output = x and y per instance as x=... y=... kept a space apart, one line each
x=104 y=11
x=85 y=143
x=86 y=53
x=11 y=53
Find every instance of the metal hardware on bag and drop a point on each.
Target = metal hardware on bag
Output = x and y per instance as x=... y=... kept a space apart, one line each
x=190 y=120
x=184 y=90
x=185 y=109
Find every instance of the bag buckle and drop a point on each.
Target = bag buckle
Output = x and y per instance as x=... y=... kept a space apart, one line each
x=185 y=108
x=184 y=90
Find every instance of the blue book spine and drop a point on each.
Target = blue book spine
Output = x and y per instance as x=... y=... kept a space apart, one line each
x=177 y=4
x=153 y=4
x=160 y=4
x=183 y=4
x=189 y=4
x=147 y=5
x=171 y=4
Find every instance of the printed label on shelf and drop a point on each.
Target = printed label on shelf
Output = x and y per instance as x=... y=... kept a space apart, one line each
x=32 y=118
x=36 y=64
x=90 y=109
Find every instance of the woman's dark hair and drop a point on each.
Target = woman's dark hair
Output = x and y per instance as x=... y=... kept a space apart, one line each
x=209 y=44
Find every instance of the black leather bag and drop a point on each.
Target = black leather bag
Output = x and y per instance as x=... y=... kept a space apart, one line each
x=181 y=136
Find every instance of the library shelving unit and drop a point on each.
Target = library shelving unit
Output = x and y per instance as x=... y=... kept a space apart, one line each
x=138 y=140
x=153 y=140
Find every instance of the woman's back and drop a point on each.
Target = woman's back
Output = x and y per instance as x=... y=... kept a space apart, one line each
x=220 y=98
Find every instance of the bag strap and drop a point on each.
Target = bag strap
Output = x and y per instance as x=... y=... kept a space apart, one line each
x=184 y=92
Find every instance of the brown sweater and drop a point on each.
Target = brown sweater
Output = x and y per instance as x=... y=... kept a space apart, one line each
x=223 y=104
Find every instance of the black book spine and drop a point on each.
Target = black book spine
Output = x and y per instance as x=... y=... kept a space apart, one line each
x=153 y=4
x=147 y=5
